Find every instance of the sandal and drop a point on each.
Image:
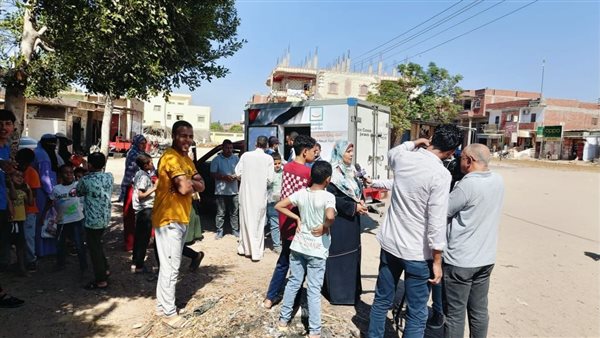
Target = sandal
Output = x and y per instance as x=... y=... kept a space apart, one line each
x=95 y=286
x=9 y=302
x=267 y=304
x=176 y=324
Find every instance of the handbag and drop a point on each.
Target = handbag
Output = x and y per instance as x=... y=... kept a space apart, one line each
x=49 y=225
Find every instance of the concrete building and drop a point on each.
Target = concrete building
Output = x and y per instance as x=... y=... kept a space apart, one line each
x=160 y=114
x=289 y=83
x=519 y=123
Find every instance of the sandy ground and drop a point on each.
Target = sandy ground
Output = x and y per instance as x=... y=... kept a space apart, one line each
x=545 y=283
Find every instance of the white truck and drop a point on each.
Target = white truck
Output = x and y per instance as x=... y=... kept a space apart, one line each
x=365 y=124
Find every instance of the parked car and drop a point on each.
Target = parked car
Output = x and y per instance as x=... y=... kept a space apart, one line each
x=207 y=197
x=27 y=142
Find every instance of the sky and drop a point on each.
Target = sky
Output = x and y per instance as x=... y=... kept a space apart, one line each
x=505 y=54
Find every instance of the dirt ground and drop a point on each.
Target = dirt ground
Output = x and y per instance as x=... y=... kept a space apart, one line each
x=546 y=281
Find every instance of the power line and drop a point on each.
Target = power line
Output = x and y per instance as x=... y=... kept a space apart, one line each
x=472 y=30
x=428 y=28
x=445 y=30
x=405 y=32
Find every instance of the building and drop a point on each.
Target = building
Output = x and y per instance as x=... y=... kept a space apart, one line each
x=160 y=114
x=520 y=123
x=289 y=83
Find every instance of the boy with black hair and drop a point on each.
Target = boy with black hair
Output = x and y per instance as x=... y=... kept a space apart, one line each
x=310 y=246
x=79 y=172
x=296 y=176
x=143 y=202
x=274 y=192
x=69 y=216
x=25 y=158
x=7 y=127
x=96 y=187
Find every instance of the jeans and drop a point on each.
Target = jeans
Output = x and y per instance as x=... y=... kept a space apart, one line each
x=416 y=288
x=466 y=290
x=230 y=205
x=281 y=270
x=314 y=269
x=170 y=240
x=74 y=231
x=273 y=224
x=5 y=229
x=143 y=232
x=99 y=262
x=29 y=229
x=436 y=298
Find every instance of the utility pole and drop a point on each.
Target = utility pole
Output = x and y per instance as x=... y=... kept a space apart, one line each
x=542 y=84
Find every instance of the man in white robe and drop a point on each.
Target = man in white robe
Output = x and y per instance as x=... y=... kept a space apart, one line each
x=255 y=170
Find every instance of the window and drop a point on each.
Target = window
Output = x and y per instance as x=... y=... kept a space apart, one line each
x=533 y=117
x=595 y=121
x=477 y=103
x=363 y=90
x=157 y=107
x=179 y=117
x=508 y=117
x=169 y=116
x=201 y=119
x=333 y=88
x=497 y=120
x=467 y=104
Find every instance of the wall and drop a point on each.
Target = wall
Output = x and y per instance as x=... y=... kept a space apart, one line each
x=348 y=84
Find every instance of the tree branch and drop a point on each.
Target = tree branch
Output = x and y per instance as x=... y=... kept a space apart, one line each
x=41 y=43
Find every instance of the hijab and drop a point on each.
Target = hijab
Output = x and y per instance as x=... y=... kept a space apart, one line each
x=344 y=175
x=131 y=167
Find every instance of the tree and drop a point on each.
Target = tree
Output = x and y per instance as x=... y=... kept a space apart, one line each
x=140 y=47
x=132 y=48
x=216 y=126
x=236 y=128
x=420 y=94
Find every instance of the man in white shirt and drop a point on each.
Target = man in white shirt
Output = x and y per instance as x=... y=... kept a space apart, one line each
x=413 y=233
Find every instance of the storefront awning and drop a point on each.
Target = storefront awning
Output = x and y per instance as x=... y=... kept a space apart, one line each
x=525 y=133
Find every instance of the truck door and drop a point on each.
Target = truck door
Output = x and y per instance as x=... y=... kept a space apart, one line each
x=372 y=139
x=382 y=144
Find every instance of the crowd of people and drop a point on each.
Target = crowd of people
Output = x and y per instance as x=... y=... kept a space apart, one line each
x=312 y=209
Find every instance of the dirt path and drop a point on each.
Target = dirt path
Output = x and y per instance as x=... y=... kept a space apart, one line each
x=543 y=283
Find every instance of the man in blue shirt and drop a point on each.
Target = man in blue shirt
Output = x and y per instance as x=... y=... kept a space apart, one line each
x=222 y=170
x=7 y=127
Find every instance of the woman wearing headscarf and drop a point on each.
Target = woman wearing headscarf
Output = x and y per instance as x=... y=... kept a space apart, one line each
x=138 y=146
x=63 y=147
x=46 y=163
x=342 y=285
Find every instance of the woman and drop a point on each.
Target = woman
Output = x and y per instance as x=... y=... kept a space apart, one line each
x=138 y=146
x=342 y=285
x=63 y=147
x=46 y=163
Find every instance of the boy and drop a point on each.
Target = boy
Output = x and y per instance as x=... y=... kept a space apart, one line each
x=143 y=202
x=96 y=187
x=20 y=195
x=310 y=246
x=274 y=192
x=7 y=127
x=24 y=159
x=296 y=176
x=69 y=217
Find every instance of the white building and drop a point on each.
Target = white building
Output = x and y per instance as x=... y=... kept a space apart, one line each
x=159 y=114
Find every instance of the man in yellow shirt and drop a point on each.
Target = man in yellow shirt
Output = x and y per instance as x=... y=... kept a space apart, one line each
x=177 y=181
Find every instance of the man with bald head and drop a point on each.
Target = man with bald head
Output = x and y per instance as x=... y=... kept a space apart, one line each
x=474 y=212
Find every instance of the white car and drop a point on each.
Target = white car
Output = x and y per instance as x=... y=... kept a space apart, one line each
x=27 y=142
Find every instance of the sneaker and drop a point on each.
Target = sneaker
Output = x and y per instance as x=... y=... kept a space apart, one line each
x=277 y=250
x=196 y=261
x=219 y=235
x=9 y=302
x=436 y=320
x=236 y=233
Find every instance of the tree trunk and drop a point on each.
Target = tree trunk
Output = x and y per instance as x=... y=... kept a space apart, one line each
x=15 y=102
x=106 y=120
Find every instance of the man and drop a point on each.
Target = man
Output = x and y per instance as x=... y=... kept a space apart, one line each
x=177 y=181
x=7 y=127
x=289 y=140
x=475 y=207
x=414 y=230
x=222 y=170
x=255 y=170
x=273 y=145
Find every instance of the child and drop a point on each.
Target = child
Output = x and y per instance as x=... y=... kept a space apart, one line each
x=296 y=176
x=274 y=192
x=310 y=246
x=79 y=172
x=96 y=187
x=24 y=159
x=69 y=217
x=143 y=201
x=20 y=196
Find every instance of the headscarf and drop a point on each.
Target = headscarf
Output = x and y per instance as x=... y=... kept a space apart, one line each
x=46 y=164
x=63 y=143
x=131 y=167
x=51 y=151
x=344 y=176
